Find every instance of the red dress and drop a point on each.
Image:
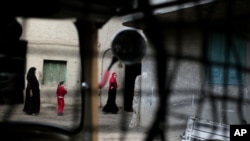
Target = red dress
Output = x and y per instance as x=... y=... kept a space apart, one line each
x=61 y=92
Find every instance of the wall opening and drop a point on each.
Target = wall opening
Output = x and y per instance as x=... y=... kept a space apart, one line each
x=131 y=72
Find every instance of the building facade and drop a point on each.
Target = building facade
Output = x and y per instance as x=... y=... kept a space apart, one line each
x=53 y=50
x=206 y=60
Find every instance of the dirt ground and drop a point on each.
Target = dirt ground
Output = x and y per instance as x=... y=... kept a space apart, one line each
x=111 y=126
x=115 y=127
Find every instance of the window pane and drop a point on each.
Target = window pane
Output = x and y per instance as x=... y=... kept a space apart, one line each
x=54 y=72
x=227 y=61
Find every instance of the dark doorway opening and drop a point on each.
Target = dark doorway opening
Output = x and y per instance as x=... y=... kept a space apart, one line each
x=131 y=72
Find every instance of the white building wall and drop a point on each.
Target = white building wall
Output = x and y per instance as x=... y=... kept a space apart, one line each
x=106 y=34
x=53 y=40
x=58 y=40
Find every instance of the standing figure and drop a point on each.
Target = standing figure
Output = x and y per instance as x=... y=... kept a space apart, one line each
x=60 y=93
x=32 y=97
x=111 y=106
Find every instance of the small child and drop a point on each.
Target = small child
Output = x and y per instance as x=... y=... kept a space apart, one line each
x=61 y=91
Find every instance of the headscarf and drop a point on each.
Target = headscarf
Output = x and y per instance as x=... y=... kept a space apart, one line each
x=112 y=81
x=31 y=73
x=31 y=78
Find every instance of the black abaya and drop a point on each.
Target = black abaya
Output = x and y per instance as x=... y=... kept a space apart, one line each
x=111 y=106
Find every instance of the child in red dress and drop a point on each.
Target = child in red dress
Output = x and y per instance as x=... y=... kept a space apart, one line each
x=61 y=92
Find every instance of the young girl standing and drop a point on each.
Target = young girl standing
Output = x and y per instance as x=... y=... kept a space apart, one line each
x=61 y=92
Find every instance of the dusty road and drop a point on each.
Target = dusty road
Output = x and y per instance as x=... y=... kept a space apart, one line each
x=110 y=125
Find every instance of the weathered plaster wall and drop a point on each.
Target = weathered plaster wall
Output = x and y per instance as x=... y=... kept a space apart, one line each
x=53 y=40
x=106 y=35
x=58 y=40
x=188 y=87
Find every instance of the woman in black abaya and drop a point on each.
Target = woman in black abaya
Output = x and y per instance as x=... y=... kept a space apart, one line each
x=32 y=97
x=111 y=106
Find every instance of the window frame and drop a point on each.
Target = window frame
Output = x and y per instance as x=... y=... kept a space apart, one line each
x=227 y=58
x=55 y=65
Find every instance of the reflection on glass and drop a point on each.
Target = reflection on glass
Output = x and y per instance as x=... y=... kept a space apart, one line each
x=52 y=48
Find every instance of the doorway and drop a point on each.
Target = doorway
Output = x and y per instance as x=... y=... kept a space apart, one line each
x=131 y=72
